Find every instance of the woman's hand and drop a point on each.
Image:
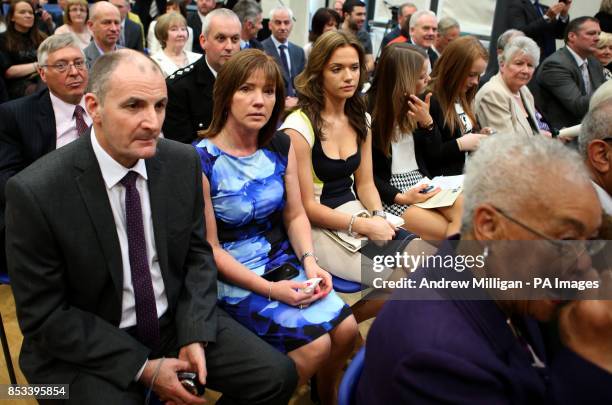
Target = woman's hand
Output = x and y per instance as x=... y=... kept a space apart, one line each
x=312 y=269
x=469 y=142
x=419 y=110
x=375 y=228
x=414 y=195
x=289 y=292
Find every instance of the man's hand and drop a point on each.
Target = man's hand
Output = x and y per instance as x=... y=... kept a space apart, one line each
x=586 y=328
x=166 y=384
x=194 y=355
x=290 y=102
x=554 y=10
x=565 y=11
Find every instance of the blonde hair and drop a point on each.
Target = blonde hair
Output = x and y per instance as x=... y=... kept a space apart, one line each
x=605 y=39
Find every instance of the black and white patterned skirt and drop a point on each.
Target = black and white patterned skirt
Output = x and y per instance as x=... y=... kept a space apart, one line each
x=402 y=181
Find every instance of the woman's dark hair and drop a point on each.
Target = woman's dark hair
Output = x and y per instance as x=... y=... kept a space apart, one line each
x=320 y=19
x=395 y=80
x=233 y=74
x=309 y=84
x=180 y=4
x=14 y=39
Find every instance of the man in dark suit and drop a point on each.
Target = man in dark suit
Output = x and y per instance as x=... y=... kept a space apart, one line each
x=541 y=23
x=250 y=15
x=33 y=126
x=195 y=21
x=132 y=279
x=105 y=26
x=566 y=80
x=404 y=13
x=131 y=35
x=289 y=56
x=190 y=90
x=148 y=10
x=469 y=344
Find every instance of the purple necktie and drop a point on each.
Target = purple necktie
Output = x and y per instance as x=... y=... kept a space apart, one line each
x=81 y=126
x=147 y=324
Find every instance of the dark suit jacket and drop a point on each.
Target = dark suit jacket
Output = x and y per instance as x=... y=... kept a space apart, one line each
x=65 y=263
x=194 y=21
x=133 y=36
x=446 y=159
x=605 y=21
x=27 y=132
x=559 y=89
x=523 y=16
x=296 y=54
x=190 y=102
x=255 y=44
x=444 y=351
x=143 y=7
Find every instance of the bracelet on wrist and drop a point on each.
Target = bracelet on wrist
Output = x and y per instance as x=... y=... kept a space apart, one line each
x=269 y=291
x=308 y=254
x=350 y=227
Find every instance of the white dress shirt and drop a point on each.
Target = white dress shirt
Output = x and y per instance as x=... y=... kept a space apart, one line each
x=214 y=72
x=276 y=45
x=65 y=122
x=112 y=173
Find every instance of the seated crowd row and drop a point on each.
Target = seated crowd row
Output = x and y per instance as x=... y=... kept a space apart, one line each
x=259 y=189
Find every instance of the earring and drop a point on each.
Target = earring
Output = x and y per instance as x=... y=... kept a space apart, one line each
x=485 y=252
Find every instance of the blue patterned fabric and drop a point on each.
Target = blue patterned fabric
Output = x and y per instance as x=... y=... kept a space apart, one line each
x=248 y=197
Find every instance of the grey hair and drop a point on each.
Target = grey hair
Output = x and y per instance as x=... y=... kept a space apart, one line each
x=104 y=67
x=446 y=23
x=247 y=10
x=55 y=43
x=595 y=125
x=603 y=93
x=522 y=44
x=281 y=8
x=219 y=12
x=414 y=19
x=506 y=36
x=508 y=170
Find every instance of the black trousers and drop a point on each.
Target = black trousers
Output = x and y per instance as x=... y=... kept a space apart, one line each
x=243 y=367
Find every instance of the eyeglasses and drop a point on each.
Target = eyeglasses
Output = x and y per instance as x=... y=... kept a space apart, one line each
x=564 y=247
x=62 y=67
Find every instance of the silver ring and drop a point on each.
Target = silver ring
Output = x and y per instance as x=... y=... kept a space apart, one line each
x=301 y=306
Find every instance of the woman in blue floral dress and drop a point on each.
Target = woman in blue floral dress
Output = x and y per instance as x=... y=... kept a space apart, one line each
x=255 y=222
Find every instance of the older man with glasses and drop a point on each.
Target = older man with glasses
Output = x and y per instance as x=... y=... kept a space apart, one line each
x=33 y=126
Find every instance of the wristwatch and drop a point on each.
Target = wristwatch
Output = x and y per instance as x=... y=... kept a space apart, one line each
x=379 y=213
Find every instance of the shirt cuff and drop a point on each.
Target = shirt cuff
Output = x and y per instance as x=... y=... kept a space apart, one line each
x=139 y=374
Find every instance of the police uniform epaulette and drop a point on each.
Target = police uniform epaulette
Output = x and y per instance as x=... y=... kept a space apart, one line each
x=181 y=72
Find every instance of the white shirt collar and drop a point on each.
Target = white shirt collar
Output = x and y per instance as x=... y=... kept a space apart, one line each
x=113 y=171
x=214 y=72
x=277 y=43
x=202 y=17
x=100 y=49
x=63 y=111
x=577 y=58
x=604 y=198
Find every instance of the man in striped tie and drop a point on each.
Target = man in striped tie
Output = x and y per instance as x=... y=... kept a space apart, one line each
x=35 y=125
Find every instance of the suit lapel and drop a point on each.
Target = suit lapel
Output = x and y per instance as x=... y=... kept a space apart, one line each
x=45 y=120
x=93 y=192
x=157 y=197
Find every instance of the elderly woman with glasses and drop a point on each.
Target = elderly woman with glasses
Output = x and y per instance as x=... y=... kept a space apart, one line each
x=522 y=223
x=505 y=103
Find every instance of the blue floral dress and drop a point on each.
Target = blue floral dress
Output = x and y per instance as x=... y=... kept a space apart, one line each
x=248 y=197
